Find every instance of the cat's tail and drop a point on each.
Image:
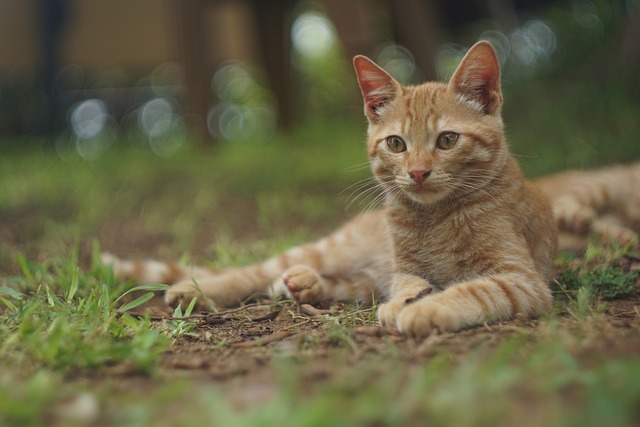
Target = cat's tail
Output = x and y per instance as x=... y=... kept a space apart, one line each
x=153 y=272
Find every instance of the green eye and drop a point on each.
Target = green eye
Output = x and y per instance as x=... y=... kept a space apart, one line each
x=446 y=140
x=396 y=144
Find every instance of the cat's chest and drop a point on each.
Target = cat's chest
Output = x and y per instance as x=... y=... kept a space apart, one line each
x=440 y=249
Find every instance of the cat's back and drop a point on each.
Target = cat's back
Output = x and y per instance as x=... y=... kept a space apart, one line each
x=604 y=186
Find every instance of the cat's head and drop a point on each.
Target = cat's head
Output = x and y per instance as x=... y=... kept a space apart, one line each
x=435 y=140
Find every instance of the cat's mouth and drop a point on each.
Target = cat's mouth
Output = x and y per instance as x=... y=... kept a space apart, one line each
x=418 y=188
x=423 y=193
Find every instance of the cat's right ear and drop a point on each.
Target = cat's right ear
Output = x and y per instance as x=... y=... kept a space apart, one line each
x=377 y=86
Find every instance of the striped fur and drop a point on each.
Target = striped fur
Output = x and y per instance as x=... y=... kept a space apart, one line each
x=342 y=266
x=605 y=203
x=471 y=243
x=472 y=235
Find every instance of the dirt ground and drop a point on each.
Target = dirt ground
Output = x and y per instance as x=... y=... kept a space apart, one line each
x=238 y=348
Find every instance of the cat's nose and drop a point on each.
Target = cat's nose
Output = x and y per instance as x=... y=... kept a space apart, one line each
x=419 y=175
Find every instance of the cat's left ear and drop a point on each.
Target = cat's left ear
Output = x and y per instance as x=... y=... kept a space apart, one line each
x=377 y=86
x=477 y=78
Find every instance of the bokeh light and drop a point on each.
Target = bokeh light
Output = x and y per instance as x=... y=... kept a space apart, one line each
x=398 y=61
x=448 y=58
x=313 y=34
x=585 y=13
x=245 y=111
x=156 y=117
x=533 y=44
x=92 y=127
x=523 y=51
x=321 y=65
x=88 y=118
x=163 y=128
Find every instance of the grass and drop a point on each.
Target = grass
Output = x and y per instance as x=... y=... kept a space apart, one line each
x=61 y=318
x=67 y=346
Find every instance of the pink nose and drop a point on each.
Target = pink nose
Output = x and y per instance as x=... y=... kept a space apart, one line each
x=419 y=175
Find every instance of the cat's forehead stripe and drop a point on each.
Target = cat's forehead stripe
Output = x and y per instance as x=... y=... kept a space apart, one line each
x=421 y=106
x=442 y=122
x=409 y=118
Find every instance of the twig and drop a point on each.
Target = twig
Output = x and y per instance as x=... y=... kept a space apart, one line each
x=276 y=336
x=269 y=316
x=313 y=311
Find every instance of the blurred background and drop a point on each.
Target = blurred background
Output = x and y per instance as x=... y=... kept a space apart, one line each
x=231 y=129
x=165 y=73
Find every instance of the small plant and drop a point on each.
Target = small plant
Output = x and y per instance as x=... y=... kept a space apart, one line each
x=612 y=283
x=598 y=254
x=608 y=283
x=180 y=324
x=338 y=335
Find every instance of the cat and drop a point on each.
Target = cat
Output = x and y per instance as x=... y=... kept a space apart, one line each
x=604 y=203
x=462 y=239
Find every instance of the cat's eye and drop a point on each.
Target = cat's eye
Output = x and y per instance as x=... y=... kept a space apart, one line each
x=396 y=144
x=446 y=140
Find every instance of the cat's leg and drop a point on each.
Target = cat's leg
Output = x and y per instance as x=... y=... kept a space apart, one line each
x=575 y=217
x=608 y=231
x=226 y=289
x=496 y=297
x=572 y=215
x=351 y=262
x=404 y=289
x=307 y=285
x=300 y=282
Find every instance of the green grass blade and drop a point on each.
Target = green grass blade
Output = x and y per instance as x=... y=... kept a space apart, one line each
x=73 y=287
x=136 y=302
x=189 y=309
x=11 y=292
x=24 y=267
x=7 y=303
x=151 y=288
x=178 y=311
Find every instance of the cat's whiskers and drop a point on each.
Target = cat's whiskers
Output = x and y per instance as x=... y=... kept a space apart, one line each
x=357 y=167
x=477 y=188
x=362 y=191
x=392 y=192
x=356 y=186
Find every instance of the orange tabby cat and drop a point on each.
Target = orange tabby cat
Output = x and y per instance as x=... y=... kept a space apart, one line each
x=471 y=240
x=463 y=238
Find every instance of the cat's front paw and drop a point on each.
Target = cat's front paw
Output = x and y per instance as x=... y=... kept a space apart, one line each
x=421 y=318
x=388 y=312
x=181 y=294
x=304 y=284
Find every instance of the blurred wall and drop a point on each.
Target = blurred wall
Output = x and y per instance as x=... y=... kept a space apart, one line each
x=18 y=34
x=130 y=33
x=124 y=31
